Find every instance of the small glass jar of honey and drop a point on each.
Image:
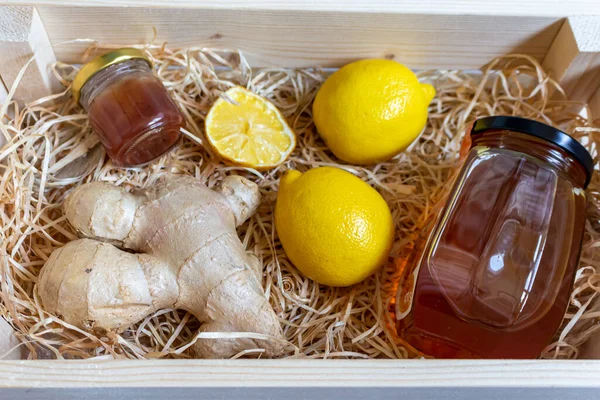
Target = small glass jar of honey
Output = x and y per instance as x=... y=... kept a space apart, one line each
x=128 y=106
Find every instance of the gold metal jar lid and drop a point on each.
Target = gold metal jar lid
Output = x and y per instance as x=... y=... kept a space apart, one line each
x=104 y=61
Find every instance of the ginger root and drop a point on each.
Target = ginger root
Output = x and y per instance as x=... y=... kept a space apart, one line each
x=187 y=256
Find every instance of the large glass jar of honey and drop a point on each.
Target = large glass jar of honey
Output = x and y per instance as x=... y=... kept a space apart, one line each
x=495 y=267
x=129 y=108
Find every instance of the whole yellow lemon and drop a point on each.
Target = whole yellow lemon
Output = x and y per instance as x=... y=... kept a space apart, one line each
x=371 y=110
x=335 y=228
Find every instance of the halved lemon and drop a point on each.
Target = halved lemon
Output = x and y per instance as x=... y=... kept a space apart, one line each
x=249 y=130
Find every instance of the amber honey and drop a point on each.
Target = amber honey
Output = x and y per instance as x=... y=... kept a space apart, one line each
x=495 y=270
x=129 y=108
x=135 y=120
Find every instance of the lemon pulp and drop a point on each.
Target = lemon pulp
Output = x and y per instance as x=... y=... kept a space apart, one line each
x=247 y=129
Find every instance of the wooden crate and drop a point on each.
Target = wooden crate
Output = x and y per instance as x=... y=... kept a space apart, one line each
x=563 y=35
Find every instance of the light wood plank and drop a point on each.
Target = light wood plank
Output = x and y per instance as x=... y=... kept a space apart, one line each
x=300 y=373
x=574 y=57
x=308 y=38
x=456 y=7
x=22 y=35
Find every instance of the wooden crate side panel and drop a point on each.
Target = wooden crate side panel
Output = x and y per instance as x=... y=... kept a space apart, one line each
x=300 y=373
x=574 y=57
x=306 y=38
x=22 y=34
x=462 y=7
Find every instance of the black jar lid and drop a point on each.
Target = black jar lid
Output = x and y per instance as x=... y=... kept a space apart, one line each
x=542 y=131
